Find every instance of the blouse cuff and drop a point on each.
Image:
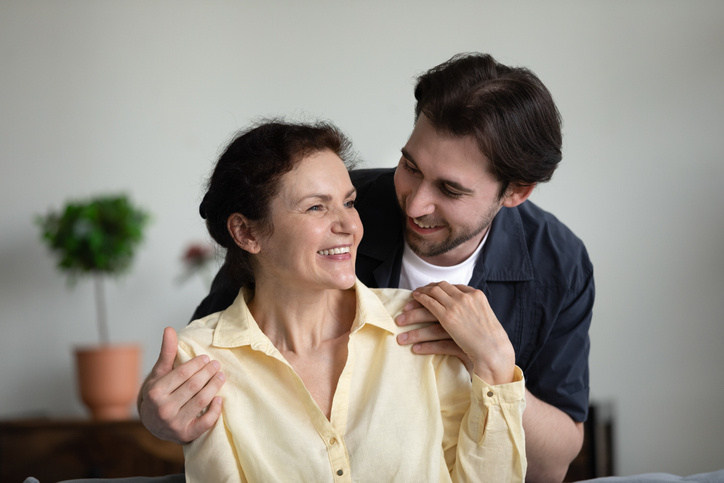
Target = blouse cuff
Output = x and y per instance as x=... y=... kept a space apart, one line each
x=502 y=393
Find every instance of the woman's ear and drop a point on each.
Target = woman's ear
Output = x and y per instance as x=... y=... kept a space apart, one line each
x=240 y=230
x=515 y=195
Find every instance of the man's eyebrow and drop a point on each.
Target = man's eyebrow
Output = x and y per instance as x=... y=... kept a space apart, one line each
x=447 y=182
x=456 y=186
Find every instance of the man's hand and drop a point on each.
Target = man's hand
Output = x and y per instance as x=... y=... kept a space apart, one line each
x=553 y=439
x=431 y=339
x=178 y=404
x=467 y=329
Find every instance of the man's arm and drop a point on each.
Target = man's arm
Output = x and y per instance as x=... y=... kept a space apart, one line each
x=171 y=402
x=553 y=439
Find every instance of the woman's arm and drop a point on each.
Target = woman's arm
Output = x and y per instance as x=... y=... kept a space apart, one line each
x=484 y=438
x=490 y=439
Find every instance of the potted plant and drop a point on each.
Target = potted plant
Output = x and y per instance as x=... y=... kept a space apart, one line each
x=97 y=238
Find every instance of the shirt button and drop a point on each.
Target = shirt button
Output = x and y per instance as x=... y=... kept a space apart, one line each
x=490 y=393
x=332 y=441
x=340 y=472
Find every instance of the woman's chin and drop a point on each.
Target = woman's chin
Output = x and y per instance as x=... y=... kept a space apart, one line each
x=344 y=282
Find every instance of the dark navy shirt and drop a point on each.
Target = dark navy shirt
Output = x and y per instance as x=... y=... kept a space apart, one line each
x=535 y=272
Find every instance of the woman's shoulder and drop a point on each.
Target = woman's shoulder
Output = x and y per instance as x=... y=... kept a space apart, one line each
x=200 y=331
x=394 y=299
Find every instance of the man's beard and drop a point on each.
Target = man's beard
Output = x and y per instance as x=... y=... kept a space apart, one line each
x=424 y=248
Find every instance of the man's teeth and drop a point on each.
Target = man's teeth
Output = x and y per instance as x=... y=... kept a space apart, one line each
x=423 y=225
x=334 y=251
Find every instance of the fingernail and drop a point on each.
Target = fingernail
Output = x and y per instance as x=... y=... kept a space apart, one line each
x=402 y=337
x=417 y=347
x=205 y=358
x=216 y=365
x=400 y=319
x=221 y=376
x=218 y=401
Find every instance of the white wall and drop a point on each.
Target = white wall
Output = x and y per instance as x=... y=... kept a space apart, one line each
x=139 y=96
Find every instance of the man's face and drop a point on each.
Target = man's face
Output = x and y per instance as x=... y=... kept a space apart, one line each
x=450 y=198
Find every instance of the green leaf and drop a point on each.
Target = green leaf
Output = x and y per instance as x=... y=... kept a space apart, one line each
x=100 y=234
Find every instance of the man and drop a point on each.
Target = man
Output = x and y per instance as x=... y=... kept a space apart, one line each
x=485 y=135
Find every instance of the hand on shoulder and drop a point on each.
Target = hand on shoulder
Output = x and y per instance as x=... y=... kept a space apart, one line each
x=467 y=328
x=179 y=404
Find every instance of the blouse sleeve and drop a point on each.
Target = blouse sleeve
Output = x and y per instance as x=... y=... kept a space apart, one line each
x=211 y=456
x=484 y=438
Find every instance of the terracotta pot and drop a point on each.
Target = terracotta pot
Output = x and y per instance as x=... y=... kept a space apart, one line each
x=108 y=379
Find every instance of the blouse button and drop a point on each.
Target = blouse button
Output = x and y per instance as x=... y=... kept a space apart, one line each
x=332 y=441
x=490 y=393
x=340 y=472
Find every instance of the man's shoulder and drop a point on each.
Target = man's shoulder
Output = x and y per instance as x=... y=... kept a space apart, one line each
x=553 y=247
x=537 y=221
x=375 y=179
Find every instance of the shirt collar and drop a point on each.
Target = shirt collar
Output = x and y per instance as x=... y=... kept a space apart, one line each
x=506 y=257
x=237 y=327
x=371 y=310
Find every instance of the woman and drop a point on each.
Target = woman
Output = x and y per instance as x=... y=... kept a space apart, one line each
x=317 y=387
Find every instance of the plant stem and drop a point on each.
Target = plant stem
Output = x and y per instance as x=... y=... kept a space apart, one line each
x=101 y=308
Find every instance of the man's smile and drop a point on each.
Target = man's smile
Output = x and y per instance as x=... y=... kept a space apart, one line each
x=423 y=227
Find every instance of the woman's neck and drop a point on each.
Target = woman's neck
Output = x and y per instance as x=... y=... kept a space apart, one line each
x=300 y=320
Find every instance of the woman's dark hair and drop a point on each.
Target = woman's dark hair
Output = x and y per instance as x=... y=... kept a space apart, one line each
x=247 y=176
x=508 y=111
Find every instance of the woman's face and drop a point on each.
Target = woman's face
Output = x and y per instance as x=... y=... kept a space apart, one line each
x=316 y=227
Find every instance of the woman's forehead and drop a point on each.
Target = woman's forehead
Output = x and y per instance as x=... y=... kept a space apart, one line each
x=322 y=173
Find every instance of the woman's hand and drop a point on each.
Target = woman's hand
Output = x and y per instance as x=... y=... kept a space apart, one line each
x=467 y=318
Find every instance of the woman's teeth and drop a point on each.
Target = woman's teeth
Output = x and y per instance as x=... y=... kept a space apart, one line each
x=334 y=251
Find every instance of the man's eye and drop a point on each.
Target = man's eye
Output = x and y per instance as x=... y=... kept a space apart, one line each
x=409 y=167
x=449 y=193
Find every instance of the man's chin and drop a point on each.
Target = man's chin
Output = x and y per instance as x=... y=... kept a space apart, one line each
x=423 y=248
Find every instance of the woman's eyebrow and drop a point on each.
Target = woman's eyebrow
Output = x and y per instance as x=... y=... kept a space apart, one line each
x=326 y=197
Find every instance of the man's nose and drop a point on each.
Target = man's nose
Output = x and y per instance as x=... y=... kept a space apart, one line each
x=420 y=201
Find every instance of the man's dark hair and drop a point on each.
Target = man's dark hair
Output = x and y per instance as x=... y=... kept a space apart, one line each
x=508 y=111
x=248 y=175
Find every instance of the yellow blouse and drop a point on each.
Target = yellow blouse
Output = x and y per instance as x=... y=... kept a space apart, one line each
x=396 y=416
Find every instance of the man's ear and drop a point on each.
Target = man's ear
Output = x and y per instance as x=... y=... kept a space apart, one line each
x=240 y=230
x=517 y=194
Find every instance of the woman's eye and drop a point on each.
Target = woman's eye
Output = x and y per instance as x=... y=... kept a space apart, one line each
x=315 y=208
x=350 y=204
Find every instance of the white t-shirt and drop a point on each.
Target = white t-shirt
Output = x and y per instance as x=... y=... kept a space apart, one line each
x=416 y=272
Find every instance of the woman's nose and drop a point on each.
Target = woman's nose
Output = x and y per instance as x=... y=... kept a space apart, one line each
x=348 y=221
